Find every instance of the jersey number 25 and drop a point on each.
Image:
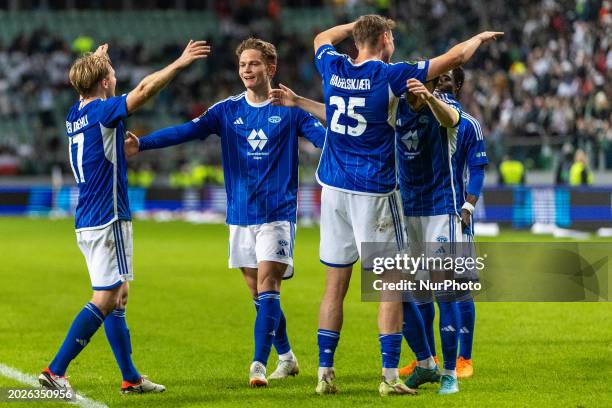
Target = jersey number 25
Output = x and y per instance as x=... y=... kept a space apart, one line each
x=341 y=109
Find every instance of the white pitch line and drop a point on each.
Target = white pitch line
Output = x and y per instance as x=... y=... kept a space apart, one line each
x=30 y=380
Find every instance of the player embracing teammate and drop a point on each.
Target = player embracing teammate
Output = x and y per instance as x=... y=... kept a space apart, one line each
x=259 y=145
x=358 y=174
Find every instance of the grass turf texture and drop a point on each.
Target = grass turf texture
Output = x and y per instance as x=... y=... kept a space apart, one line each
x=191 y=322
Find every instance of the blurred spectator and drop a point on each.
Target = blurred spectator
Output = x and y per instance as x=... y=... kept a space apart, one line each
x=580 y=174
x=511 y=172
x=566 y=160
x=549 y=78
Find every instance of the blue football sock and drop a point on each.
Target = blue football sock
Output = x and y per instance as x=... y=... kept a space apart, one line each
x=390 y=348
x=414 y=331
x=118 y=336
x=281 y=340
x=428 y=313
x=266 y=324
x=328 y=341
x=467 y=316
x=449 y=333
x=85 y=324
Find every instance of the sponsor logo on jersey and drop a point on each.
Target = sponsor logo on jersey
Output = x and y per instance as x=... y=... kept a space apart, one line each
x=411 y=140
x=257 y=140
x=274 y=119
x=441 y=238
x=238 y=121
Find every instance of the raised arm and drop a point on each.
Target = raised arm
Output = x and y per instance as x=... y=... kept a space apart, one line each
x=153 y=83
x=284 y=96
x=444 y=113
x=459 y=54
x=333 y=35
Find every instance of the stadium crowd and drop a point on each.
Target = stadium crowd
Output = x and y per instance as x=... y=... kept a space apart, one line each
x=549 y=81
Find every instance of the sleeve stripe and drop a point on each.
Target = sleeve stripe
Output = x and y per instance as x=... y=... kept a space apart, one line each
x=475 y=125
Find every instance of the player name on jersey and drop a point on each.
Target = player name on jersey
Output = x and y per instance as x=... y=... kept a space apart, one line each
x=77 y=125
x=351 y=84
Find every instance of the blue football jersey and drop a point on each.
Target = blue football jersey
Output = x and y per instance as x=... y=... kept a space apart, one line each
x=95 y=148
x=426 y=155
x=471 y=151
x=360 y=107
x=259 y=144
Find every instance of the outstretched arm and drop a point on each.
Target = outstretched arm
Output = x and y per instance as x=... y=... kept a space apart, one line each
x=153 y=83
x=169 y=136
x=284 y=96
x=444 y=113
x=459 y=54
x=333 y=35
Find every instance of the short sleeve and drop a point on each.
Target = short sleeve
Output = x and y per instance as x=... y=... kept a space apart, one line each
x=476 y=149
x=311 y=129
x=324 y=56
x=400 y=72
x=450 y=100
x=113 y=110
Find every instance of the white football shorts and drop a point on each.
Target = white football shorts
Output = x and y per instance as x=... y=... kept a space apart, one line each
x=435 y=231
x=272 y=241
x=108 y=252
x=348 y=220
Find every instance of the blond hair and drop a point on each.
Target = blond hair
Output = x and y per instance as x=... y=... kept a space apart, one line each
x=369 y=28
x=87 y=72
x=267 y=50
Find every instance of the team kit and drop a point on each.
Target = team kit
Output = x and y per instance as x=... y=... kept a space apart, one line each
x=401 y=163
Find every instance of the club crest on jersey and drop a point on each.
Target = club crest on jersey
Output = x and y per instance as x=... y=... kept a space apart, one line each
x=441 y=238
x=274 y=119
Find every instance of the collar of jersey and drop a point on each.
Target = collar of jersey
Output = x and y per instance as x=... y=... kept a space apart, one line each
x=82 y=107
x=362 y=62
x=256 y=104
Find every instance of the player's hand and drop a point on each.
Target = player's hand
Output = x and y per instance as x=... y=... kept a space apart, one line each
x=487 y=36
x=194 y=50
x=283 y=96
x=102 y=50
x=416 y=87
x=131 y=144
x=466 y=217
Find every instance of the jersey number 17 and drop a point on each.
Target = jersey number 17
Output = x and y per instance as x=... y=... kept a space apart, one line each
x=78 y=139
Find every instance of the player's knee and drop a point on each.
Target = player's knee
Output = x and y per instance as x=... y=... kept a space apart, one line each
x=104 y=301
x=121 y=301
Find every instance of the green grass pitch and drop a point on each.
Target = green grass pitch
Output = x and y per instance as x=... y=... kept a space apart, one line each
x=191 y=324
